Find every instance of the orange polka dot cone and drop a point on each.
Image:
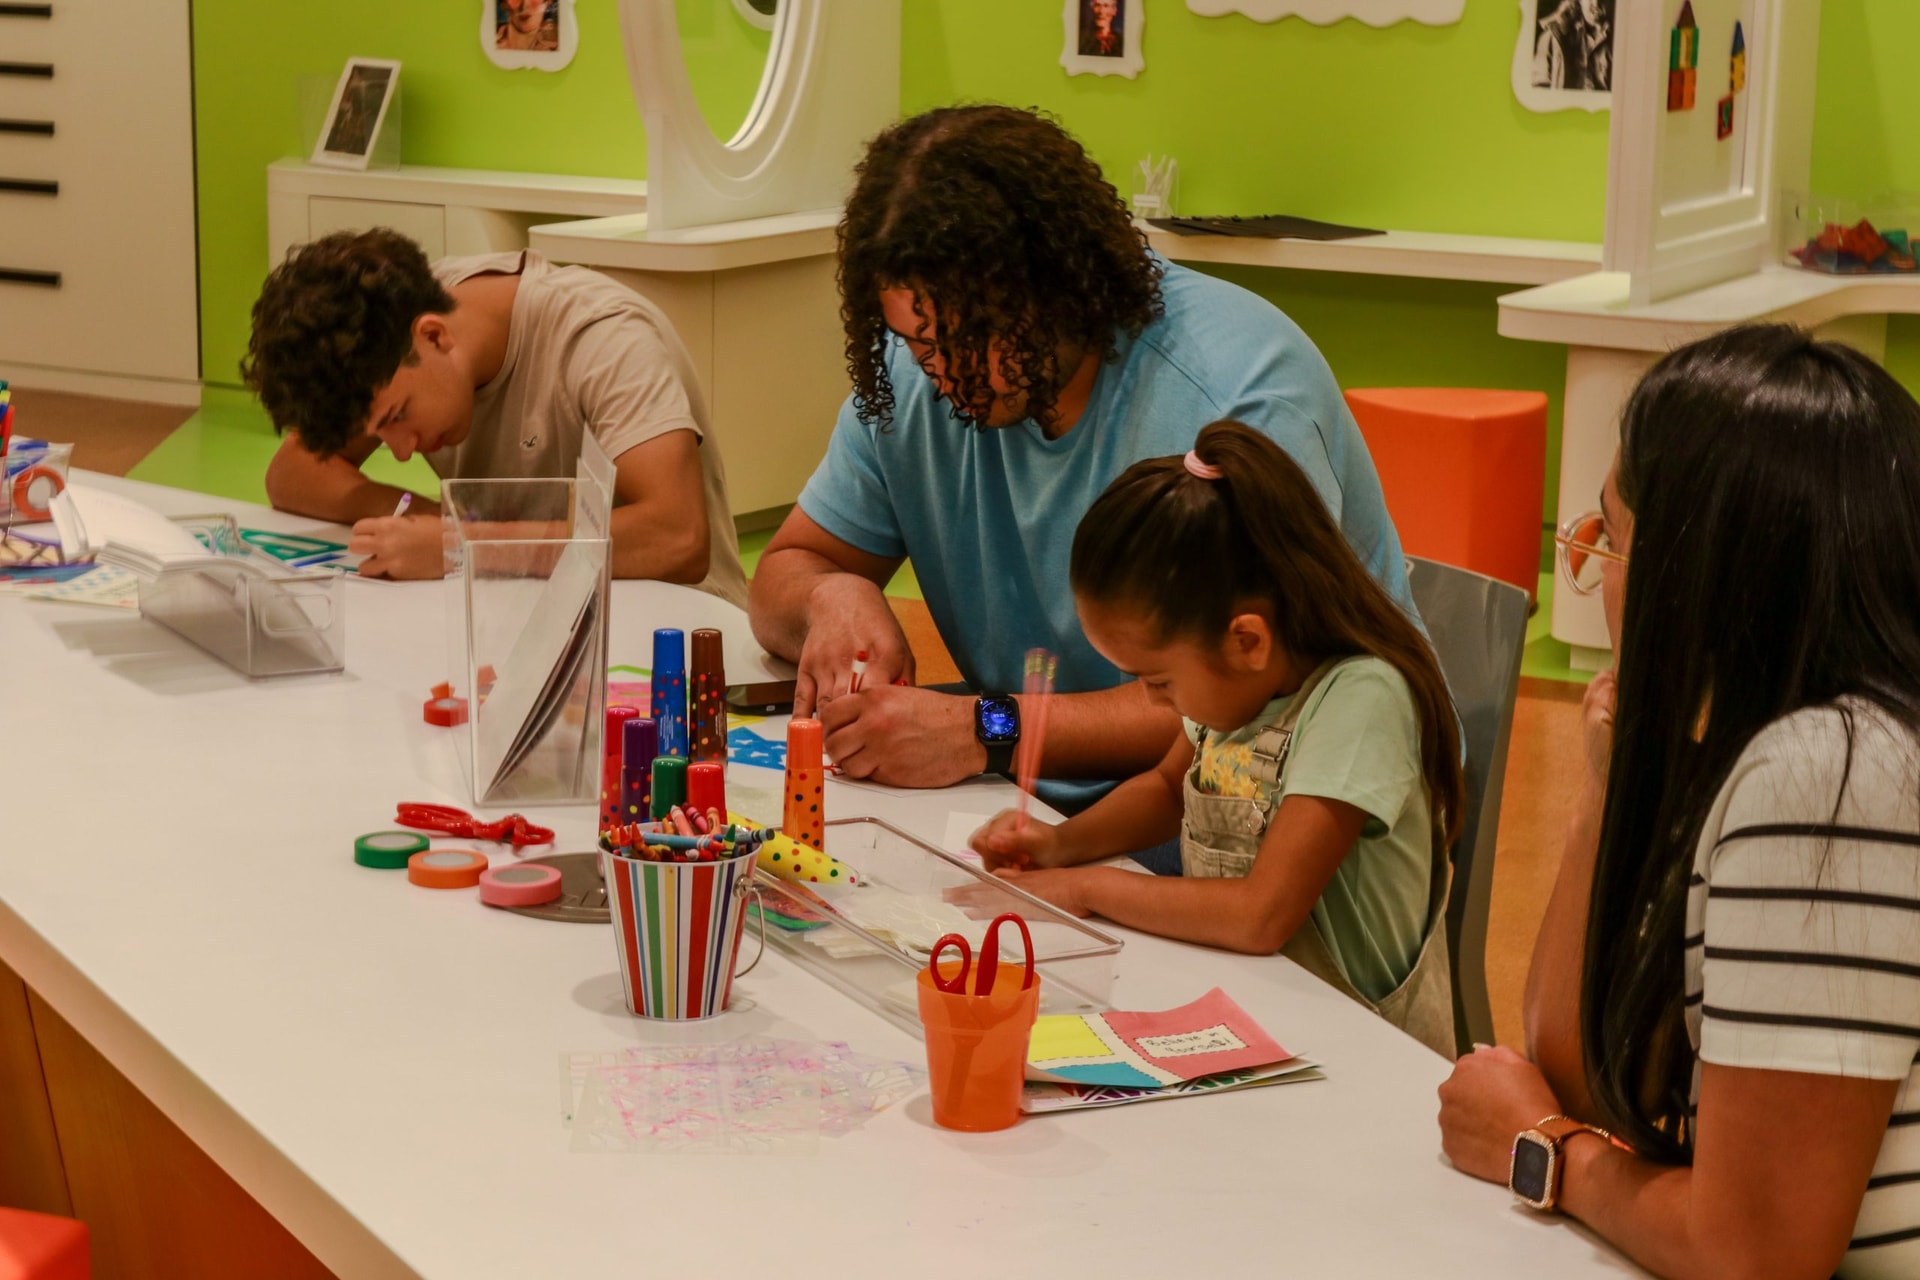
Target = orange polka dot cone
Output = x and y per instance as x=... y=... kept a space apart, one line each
x=804 y=814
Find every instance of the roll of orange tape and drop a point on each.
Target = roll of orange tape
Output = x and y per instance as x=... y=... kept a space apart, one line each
x=446 y=868
x=34 y=490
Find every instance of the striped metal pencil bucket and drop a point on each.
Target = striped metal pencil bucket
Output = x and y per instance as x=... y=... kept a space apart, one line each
x=676 y=927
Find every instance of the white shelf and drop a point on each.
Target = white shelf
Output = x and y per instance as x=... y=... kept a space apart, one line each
x=1594 y=311
x=627 y=242
x=1415 y=254
x=549 y=193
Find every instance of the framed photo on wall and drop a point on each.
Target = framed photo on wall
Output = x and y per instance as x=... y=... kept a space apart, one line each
x=1102 y=37
x=522 y=34
x=1564 y=55
x=366 y=90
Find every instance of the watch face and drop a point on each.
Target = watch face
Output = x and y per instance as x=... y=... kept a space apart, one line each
x=998 y=720
x=1532 y=1169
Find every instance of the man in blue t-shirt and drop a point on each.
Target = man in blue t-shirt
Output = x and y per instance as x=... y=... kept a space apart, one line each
x=1014 y=347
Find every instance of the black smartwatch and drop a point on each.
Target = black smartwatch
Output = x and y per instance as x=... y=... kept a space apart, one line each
x=996 y=722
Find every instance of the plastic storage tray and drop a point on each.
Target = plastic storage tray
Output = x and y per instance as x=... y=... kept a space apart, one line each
x=259 y=622
x=904 y=880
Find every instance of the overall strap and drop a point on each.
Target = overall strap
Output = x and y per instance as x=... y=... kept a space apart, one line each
x=1274 y=742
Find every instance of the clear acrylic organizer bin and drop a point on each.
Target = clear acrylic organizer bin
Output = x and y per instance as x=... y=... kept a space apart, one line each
x=841 y=933
x=258 y=621
x=527 y=639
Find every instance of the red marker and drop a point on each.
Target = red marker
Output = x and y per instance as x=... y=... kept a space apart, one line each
x=859 y=676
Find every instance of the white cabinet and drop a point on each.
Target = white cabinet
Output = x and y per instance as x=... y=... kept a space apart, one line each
x=97 y=262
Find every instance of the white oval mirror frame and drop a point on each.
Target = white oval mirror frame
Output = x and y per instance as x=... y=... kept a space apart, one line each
x=831 y=81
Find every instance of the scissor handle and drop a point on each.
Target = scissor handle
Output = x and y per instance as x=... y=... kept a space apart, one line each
x=956 y=985
x=990 y=954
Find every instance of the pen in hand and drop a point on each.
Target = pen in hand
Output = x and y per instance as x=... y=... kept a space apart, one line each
x=400 y=507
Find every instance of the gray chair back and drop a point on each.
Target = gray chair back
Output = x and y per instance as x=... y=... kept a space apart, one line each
x=1479 y=628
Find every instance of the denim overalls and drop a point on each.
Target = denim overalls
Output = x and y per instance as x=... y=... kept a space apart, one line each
x=1220 y=836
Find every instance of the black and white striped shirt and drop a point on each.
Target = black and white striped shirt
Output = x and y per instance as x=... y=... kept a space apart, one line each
x=1803 y=938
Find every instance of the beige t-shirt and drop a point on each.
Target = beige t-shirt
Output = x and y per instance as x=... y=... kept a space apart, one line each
x=586 y=353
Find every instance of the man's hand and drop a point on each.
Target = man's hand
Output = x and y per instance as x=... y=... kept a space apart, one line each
x=846 y=613
x=399 y=547
x=902 y=737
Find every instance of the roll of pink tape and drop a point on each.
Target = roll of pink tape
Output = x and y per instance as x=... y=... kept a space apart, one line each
x=520 y=884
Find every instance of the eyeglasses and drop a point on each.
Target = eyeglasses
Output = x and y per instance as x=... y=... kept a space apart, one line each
x=1584 y=550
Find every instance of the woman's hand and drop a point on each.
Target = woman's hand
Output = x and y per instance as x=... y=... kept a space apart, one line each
x=1011 y=840
x=1492 y=1095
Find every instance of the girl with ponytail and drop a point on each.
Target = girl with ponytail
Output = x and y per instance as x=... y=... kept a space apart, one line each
x=1318 y=786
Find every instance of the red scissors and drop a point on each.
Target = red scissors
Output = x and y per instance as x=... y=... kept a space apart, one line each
x=512 y=829
x=989 y=968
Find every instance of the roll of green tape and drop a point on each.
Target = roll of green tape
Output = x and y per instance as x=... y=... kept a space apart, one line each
x=388 y=850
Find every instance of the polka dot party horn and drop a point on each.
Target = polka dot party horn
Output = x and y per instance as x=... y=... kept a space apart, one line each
x=707 y=698
x=782 y=856
x=804 y=818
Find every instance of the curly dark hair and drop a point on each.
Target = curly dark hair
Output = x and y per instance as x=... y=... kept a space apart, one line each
x=1001 y=222
x=333 y=325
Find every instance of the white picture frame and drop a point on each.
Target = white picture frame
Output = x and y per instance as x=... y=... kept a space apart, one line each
x=555 y=37
x=1082 y=27
x=361 y=98
x=1375 y=13
x=1530 y=85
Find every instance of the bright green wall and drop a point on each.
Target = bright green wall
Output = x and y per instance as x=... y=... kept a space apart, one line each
x=1406 y=126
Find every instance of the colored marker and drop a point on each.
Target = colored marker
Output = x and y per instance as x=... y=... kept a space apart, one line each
x=400 y=507
x=859 y=675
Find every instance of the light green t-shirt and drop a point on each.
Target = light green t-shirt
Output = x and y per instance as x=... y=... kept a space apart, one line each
x=1357 y=741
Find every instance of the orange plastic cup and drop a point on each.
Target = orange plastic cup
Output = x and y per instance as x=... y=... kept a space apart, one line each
x=977 y=1048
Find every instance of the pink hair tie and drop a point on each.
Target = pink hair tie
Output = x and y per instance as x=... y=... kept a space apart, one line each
x=1206 y=471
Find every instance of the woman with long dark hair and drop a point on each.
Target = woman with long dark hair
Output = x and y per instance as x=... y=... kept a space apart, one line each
x=1728 y=976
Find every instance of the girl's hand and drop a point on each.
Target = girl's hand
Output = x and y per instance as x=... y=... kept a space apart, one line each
x=1062 y=887
x=1008 y=841
x=1596 y=728
x=1492 y=1095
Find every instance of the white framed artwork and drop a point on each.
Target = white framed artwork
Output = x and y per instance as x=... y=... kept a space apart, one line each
x=1102 y=37
x=529 y=34
x=1563 y=57
x=1375 y=13
x=366 y=89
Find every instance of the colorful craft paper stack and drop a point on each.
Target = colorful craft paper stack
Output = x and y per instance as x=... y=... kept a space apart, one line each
x=804 y=817
x=707 y=698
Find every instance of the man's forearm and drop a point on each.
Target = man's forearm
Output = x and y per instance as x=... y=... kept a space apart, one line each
x=645 y=546
x=333 y=489
x=777 y=608
x=1114 y=733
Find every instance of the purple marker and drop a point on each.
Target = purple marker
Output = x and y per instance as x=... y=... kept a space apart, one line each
x=640 y=743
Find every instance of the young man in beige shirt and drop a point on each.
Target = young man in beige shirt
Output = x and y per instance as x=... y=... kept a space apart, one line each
x=492 y=366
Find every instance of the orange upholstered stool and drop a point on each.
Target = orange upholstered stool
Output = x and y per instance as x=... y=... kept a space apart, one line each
x=1463 y=473
x=38 y=1246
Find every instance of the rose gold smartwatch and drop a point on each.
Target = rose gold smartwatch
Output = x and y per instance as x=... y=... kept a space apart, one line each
x=1534 y=1175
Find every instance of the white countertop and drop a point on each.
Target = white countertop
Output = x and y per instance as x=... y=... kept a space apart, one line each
x=377 y=1063
x=1594 y=311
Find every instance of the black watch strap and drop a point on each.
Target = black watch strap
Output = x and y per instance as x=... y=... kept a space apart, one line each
x=1000 y=757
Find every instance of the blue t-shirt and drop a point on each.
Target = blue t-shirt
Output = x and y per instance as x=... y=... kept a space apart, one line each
x=988 y=517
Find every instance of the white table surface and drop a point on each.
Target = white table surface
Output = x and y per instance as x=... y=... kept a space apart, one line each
x=378 y=1063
